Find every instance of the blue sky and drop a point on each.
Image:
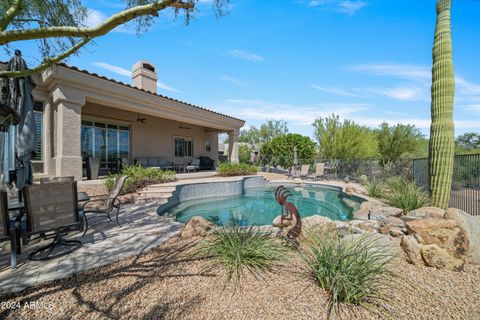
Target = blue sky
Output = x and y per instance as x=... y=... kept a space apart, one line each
x=296 y=60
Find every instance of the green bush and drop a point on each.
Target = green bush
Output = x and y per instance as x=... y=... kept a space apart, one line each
x=352 y=271
x=405 y=194
x=375 y=188
x=229 y=169
x=140 y=177
x=238 y=250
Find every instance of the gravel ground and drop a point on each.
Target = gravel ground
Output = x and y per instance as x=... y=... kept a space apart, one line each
x=167 y=283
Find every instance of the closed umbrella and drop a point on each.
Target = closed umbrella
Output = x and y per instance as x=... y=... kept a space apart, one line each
x=21 y=100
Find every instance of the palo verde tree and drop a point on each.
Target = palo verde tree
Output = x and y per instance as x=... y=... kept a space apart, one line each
x=398 y=141
x=59 y=26
x=442 y=139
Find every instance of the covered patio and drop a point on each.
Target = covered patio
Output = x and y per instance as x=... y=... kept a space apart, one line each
x=87 y=115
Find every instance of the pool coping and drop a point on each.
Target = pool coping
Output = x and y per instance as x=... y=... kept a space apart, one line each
x=174 y=200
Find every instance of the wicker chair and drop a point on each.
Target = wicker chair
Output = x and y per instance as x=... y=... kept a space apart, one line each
x=105 y=204
x=9 y=231
x=52 y=211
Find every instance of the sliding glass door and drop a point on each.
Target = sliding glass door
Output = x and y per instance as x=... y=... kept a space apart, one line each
x=107 y=141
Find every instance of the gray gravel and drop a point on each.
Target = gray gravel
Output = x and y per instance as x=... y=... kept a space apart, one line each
x=166 y=283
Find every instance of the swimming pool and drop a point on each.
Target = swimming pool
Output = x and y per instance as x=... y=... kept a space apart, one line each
x=257 y=206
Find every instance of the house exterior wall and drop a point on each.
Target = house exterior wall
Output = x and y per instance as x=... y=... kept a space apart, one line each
x=154 y=138
x=70 y=96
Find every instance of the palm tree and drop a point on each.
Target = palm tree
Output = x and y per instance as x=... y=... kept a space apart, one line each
x=442 y=140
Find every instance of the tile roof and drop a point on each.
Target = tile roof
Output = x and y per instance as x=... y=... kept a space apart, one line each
x=148 y=92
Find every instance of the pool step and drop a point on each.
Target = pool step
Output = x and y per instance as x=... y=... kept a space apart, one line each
x=155 y=193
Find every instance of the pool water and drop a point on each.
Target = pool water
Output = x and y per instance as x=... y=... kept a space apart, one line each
x=258 y=207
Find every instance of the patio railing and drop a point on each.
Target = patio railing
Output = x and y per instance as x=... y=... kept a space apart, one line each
x=465 y=193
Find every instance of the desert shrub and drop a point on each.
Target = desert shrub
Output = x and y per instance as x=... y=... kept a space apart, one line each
x=404 y=194
x=239 y=250
x=351 y=270
x=139 y=177
x=375 y=188
x=363 y=180
x=229 y=169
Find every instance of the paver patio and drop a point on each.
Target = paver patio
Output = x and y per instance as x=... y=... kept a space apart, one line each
x=141 y=230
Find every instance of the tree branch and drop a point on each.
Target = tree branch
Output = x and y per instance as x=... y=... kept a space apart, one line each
x=47 y=63
x=10 y=14
x=100 y=30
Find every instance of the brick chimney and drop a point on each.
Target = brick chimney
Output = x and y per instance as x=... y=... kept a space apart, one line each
x=144 y=76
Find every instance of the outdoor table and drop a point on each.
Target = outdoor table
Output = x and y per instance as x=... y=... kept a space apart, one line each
x=83 y=196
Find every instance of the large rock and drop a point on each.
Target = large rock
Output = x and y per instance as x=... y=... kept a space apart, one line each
x=411 y=248
x=471 y=226
x=196 y=227
x=381 y=212
x=350 y=190
x=317 y=221
x=362 y=213
x=439 y=258
x=376 y=242
x=424 y=213
x=396 y=222
x=447 y=234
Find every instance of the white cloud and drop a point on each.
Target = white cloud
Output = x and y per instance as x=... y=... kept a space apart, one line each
x=405 y=71
x=293 y=114
x=94 y=18
x=403 y=93
x=334 y=90
x=112 y=68
x=241 y=54
x=349 y=7
x=127 y=73
x=234 y=81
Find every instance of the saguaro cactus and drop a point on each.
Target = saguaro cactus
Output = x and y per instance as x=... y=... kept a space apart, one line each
x=442 y=145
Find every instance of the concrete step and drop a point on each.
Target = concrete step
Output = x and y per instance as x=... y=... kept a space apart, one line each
x=159 y=201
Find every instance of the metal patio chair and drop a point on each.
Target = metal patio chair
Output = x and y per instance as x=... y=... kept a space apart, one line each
x=319 y=172
x=105 y=205
x=52 y=212
x=303 y=172
x=9 y=230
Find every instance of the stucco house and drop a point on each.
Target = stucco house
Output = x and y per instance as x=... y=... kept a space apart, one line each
x=82 y=114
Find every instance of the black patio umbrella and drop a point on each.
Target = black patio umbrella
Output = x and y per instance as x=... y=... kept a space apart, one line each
x=21 y=100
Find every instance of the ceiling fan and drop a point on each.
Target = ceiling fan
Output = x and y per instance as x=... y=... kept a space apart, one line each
x=141 y=120
x=181 y=126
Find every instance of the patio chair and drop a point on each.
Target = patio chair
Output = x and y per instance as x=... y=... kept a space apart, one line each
x=52 y=212
x=105 y=205
x=56 y=179
x=319 y=171
x=303 y=172
x=8 y=230
x=194 y=165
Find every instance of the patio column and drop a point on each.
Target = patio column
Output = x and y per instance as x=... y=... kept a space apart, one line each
x=68 y=159
x=233 y=145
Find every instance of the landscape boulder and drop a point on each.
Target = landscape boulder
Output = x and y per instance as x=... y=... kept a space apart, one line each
x=381 y=212
x=439 y=258
x=411 y=248
x=196 y=227
x=471 y=226
x=314 y=221
x=362 y=213
x=350 y=190
x=424 y=213
x=447 y=234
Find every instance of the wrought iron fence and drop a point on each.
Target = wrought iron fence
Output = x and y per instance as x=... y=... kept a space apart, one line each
x=341 y=169
x=465 y=194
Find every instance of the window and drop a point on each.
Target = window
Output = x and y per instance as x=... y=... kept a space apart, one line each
x=208 y=146
x=183 y=147
x=107 y=141
x=38 y=116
